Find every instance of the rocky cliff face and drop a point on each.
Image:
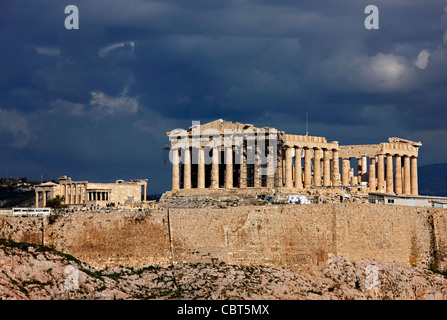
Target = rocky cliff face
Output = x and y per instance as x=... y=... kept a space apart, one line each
x=30 y=272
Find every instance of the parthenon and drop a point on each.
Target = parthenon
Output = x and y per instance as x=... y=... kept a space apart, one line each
x=232 y=157
x=82 y=193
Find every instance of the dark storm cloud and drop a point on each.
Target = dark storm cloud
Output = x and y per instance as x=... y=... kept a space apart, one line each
x=95 y=103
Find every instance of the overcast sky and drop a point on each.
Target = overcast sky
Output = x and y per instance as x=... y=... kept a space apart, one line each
x=95 y=103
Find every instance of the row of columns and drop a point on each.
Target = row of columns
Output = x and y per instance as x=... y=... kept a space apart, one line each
x=45 y=195
x=74 y=193
x=381 y=176
x=326 y=175
x=214 y=175
x=98 y=196
x=186 y=160
x=378 y=176
x=295 y=176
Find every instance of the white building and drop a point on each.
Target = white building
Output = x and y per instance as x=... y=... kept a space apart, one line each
x=408 y=200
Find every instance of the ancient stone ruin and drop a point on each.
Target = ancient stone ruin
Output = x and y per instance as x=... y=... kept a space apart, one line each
x=82 y=193
x=226 y=158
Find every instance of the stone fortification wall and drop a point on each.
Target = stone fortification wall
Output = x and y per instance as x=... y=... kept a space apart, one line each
x=101 y=239
x=439 y=223
x=302 y=235
x=293 y=236
x=108 y=239
x=19 y=229
x=289 y=236
x=393 y=234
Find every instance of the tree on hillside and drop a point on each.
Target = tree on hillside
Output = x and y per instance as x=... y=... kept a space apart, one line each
x=57 y=202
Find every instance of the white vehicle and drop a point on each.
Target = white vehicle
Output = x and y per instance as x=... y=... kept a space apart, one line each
x=31 y=212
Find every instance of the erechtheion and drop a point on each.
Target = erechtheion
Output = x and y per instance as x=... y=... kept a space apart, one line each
x=80 y=193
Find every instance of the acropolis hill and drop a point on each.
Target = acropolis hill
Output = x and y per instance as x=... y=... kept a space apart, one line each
x=223 y=161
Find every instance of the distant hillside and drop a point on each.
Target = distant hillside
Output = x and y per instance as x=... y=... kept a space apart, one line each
x=10 y=197
x=433 y=179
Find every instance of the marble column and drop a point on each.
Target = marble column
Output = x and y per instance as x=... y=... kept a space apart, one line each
x=389 y=173
x=345 y=166
x=372 y=177
x=317 y=167
x=229 y=167
x=201 y=169
x=327 y=168
x=380 y=174
x=335 y=168
x=364 y=168
x=215 y=168
x=186 y=158
x=242 y=167
x=271 y=167
x=298 y=169
x=414 y=176
x=289 y=175
x=175 y=170
x=359 y=169
x=37 y=198
x=279 y=179
x=351 y=174
x=307 y=167
x=373 y=162
x=407 y=175
x=398 y=174
x=257 y=169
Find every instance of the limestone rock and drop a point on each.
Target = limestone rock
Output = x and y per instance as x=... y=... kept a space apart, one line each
x=34 y=273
